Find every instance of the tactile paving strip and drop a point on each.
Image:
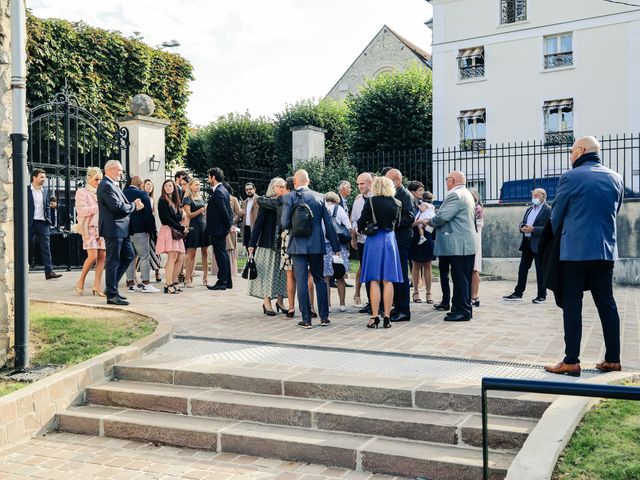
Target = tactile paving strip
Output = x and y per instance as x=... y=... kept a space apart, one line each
x=350 y=361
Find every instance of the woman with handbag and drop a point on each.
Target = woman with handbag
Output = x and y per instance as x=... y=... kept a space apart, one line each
x=339 y=269
x=264 y=246
x=380 y=261
x=171 y=235
x=87 y=226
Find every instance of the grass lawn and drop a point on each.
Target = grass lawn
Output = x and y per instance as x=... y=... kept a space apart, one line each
x=67 y=335
x=605 y=446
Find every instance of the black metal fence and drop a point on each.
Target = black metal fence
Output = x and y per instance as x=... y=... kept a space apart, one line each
x=507 y=173
x=414 y=164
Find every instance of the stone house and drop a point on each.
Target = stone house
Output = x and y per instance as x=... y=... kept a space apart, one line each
x=387 y=52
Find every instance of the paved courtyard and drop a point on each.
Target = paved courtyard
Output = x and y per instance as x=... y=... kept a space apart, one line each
x=501 y=331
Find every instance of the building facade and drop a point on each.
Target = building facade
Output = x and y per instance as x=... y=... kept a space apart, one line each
x=549 y=71
x=387 y=52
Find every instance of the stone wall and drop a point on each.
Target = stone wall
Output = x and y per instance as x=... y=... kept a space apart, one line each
x=501 y=239
x=6 y=185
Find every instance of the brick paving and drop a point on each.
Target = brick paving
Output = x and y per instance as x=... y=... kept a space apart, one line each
x=67 y=456
x=504 y=331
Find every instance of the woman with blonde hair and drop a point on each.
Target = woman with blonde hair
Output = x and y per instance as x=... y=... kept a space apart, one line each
x=381 y=260
x=196 y=210
x=87 y=226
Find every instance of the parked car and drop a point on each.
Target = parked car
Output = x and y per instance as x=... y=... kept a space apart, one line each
x=519 y=191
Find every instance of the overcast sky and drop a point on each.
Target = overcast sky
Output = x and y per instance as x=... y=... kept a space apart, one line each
x=255 y=55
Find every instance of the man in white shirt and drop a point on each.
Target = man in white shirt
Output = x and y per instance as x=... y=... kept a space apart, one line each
x=248 y=212
x=38 y=211
x=364 y=181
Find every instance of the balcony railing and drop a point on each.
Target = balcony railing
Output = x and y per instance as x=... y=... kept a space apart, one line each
x=556 y=139
x=554 y=60
x=475 y=71
x=513 y=11
x=475 y=144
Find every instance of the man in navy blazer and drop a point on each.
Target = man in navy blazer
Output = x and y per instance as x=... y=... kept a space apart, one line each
x=219 y=219
x=531 y=228
x=39 y=221
x=308 y=252
x=588 y=199
x=113 y=224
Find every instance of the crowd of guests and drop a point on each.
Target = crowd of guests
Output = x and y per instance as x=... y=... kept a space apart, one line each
x=301 y=242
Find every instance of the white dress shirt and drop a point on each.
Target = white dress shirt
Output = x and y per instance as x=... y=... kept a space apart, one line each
x=356 y=213
x=247 y=214
x=38 y=204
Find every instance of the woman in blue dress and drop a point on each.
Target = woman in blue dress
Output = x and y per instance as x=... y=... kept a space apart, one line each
x=381 y=261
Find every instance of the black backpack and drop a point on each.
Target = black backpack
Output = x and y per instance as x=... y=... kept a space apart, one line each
x=301 y=218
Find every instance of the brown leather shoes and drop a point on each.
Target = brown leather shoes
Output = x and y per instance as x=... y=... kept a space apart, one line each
x=571 y=369
x=51 y=275
x=609 y=367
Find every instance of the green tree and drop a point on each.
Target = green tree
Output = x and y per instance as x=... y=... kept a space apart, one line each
x=232 y=142
x=105 y=70
x=392 y=112
x=325 y=178
x=327 y=114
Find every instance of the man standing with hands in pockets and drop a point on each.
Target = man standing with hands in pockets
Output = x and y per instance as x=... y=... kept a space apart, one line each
x=114 y=210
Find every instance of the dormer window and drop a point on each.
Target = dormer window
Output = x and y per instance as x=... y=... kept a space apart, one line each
x=512 y=11
x=471 y=63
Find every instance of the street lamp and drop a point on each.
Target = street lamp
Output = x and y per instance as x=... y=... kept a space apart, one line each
x=170 y=44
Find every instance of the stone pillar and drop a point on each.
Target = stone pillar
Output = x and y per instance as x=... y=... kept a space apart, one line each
x=307 y=143
x=146 y=135
x=6 y=186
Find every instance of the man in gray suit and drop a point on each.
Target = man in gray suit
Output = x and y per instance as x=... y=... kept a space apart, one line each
x=455 y=228
x=307 y=252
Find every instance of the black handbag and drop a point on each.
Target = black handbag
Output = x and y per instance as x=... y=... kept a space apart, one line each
x=371 y=228
x=250 y=271
x=176 y=234
x=344 y=235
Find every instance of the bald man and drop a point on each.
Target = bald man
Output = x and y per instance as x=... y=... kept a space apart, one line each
x=364 y=182
x=404 y=233
x=588 y=199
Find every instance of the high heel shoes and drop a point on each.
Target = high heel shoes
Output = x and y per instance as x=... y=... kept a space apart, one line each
x=280 y=308
x=475 y=302
x=291 y=312
x=386 y=323
x=79 y=291
x=176 y=287
x=269 y=313
x=98 y=293
x=373 y=322
x=170 y=289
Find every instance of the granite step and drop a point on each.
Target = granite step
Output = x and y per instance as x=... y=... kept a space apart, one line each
x=397 y=392
x=408 y=458
x=410 y=423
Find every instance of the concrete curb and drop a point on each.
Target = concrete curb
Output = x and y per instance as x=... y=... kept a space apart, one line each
x=539 y=454
x=33 y=409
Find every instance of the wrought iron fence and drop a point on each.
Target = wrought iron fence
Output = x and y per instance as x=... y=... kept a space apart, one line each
x=554 y=60
x=414 y=164
x=507 y=173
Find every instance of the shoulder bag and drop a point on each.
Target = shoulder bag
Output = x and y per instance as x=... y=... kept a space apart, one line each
x=344 y=235
x=371 y=228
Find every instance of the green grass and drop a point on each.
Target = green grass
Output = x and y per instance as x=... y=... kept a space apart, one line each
x=8 y=387
x=606 y=445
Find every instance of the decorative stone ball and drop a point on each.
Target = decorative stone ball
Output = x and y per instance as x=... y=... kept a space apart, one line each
x=142 y=104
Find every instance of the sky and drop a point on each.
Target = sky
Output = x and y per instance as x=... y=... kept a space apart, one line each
x=253 y=55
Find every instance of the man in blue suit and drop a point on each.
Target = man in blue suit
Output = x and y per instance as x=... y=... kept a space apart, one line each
x=219 y=218
x=531 y=228
x=39 y=220
x=584 y=212
x=113 y=217
x=307 y=252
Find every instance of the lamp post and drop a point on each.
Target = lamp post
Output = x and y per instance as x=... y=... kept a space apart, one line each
x=20 y=176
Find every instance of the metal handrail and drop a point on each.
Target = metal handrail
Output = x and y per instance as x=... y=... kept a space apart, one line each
x=618 y=392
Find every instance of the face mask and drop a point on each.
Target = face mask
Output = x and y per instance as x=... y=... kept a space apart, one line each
x=535 y=201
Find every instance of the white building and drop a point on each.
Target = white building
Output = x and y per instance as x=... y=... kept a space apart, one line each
x=508 y=71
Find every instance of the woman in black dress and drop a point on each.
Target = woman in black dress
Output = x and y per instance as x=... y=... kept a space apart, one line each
x=196 y=210
x=421 y=250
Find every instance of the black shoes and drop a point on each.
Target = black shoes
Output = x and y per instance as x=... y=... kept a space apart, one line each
x=269 y=313
x=304 y=325
x=116 y=301
x=443 y=307
x=325 y=323
x=373 y=322
x=217 y=286
x=539 y=300
x=513 y=296
x=475 y=302
x=456 y=317
x=52 y=275
x=366 y=309
x=398 y=317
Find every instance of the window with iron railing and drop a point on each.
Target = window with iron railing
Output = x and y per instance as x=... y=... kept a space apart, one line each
x=512 y=11
x=473 y=129
x=558 y=51
x=471 y=63
x=558 y=122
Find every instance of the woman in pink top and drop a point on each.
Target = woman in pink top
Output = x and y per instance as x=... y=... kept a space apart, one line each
x=87 y=226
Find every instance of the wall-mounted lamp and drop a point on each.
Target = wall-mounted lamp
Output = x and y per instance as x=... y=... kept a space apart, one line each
x=154 y=164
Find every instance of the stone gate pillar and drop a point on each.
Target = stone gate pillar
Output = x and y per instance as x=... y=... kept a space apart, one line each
x=147 y=143
x=307 y=143
x=6 y=186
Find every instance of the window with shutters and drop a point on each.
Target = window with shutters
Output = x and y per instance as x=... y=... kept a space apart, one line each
x=558 y=122
x=473 y=130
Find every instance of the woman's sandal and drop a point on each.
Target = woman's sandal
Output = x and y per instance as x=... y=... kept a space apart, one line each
x=429 y=299
x=416 y=298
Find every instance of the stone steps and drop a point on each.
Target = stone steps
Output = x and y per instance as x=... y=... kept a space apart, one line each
x=407 y=458
x=415 y=424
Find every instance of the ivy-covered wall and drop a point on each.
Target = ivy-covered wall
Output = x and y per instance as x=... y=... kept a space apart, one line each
x=104 y=69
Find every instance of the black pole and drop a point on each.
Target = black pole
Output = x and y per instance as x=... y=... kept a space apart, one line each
x=67 y=178
x=485 y=435
x=21 y=250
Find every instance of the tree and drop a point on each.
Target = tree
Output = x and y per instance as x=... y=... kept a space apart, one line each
x=105 y=69
x=232 y=142
x=327 y=114
x=325 y=178
x=392 y=112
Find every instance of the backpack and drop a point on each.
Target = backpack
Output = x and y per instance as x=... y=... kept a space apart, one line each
x=301 y=218
x=344 y=235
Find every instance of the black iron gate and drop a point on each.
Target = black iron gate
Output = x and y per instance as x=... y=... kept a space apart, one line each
x=65 y=140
